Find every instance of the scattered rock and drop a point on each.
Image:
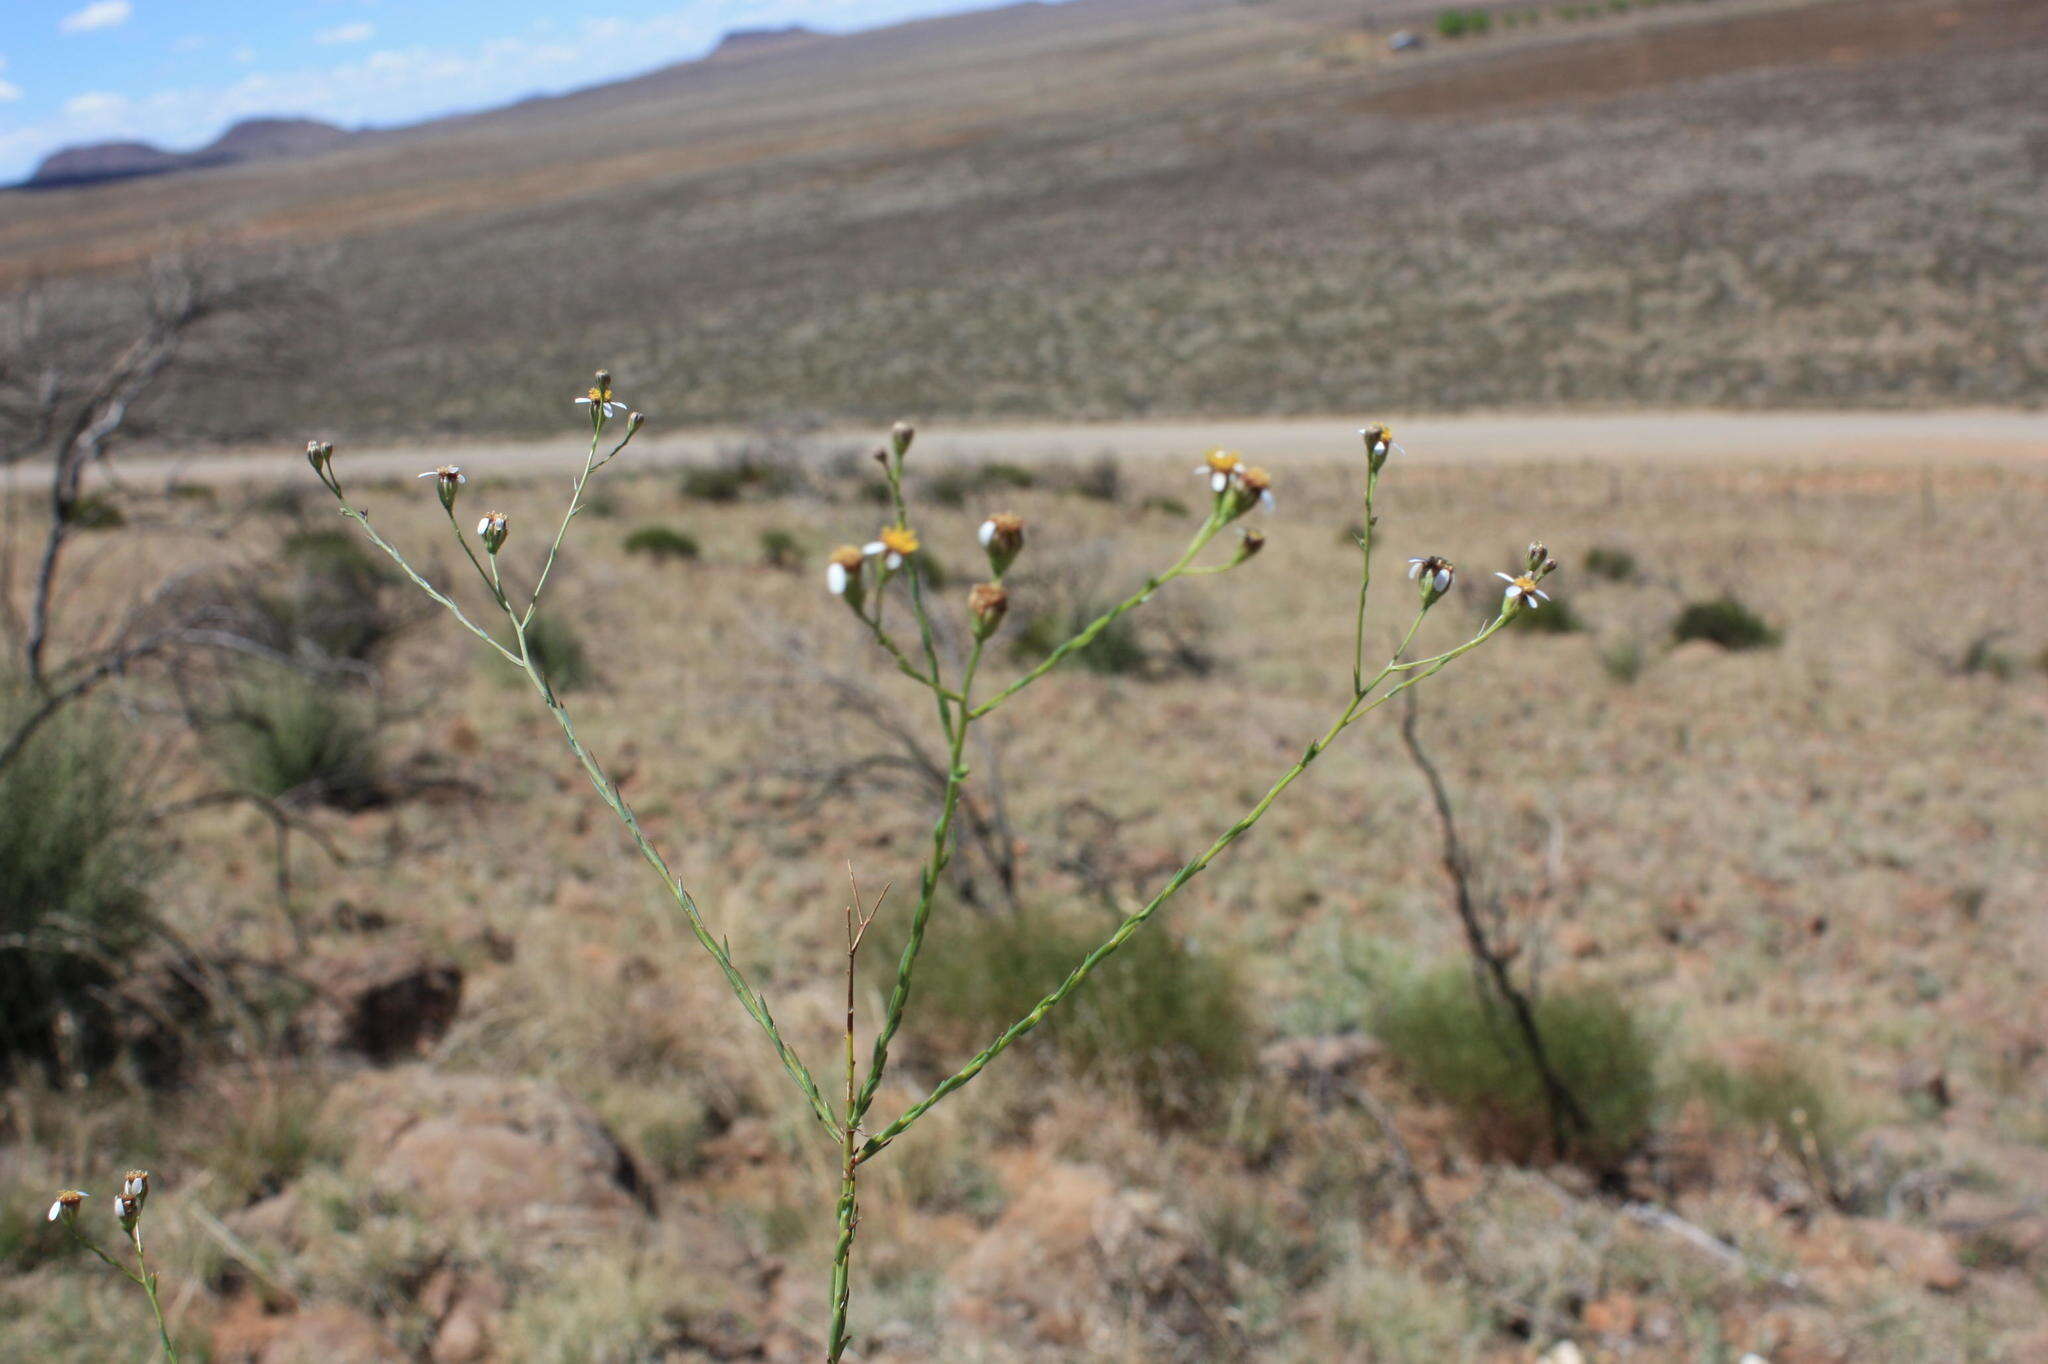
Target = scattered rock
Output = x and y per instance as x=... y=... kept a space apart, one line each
x=325 y=1333
x=1614 y=1315
x=510 y=1153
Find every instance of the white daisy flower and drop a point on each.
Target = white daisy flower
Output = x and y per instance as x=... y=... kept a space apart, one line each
x=451 y=475
x=1434 y=573
x=1379 y=442
x=598 y=398
x=67 y=1204
x=893 y=545
x=1218 y=467
x=1524 y=590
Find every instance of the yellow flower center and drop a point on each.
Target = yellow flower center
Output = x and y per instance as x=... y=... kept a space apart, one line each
x=1526 y=583
x=1223 y=461
x=601 y=393
x=899 y=540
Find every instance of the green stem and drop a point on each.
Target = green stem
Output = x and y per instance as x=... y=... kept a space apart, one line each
x=1102 y=622
x=1358 y=708
x=148 y=1282
x=927 y=891
x=1372 y=481
x=591 y=464
x=750 y=999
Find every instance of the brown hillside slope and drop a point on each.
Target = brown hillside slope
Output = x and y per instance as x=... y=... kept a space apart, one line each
x=1145 y=206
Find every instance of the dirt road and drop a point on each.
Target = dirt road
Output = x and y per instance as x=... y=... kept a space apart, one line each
x=1879 y=437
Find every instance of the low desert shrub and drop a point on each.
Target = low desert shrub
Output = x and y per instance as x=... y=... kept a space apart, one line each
x=1780 y=1098
x=1118 y=651
x=72 y=879
x=663 y=544
x=1163 y=1021
x=298 y=739
x=1623 y=660
x=780 y=549
x=333 y=599
x=94 y=512
x=1553 y=618
x=1101 y=480
x=749 y=473
x=1461 y=1044
x=1615 y=565
x=1723 y=621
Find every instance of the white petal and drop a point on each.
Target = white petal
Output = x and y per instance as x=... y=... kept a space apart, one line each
x=1443 y=580
x=1513 y=592
x=1218 y=481
x=1266 y=500
x=462 y=478
x=835 y=579
x=1414 y=567
x=56 y=1209
x=1541 y=593
x=1504 y=577
x=894 y=561
x=872 y=548
x=1396 y=446
x=988 y=533
x=582 y=402
x=431 y=473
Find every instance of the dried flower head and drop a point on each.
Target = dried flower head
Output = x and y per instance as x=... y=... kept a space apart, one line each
x=894 y=545
x=1002 y=535
x=987 y=603
x=318 y=453
x=491 y=530
x=128 y=1211
x=598 y=398
x=135 y=1185
x=66 y=1206
x=1249 y=542
x=1379 y=443
x=842 y=574
x=1219 y=467
x=449 y=479
x=900 y=436
x=1433 y=575
x=1250 y=487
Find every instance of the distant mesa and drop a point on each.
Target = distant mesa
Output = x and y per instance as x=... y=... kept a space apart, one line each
x=753 y=42
x=250 y=140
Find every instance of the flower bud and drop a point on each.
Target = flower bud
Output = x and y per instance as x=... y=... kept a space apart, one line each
x=1538 y=557
x=1002 y=535
x=128 y=1211
x=491 y=530
x=448 y=480
x=318 y=453
x=843 y=576
x=1379 y=443
x=1249 y=542
x=900 y=436
x=634 y=420
x=987 y=603
x=135 y=1185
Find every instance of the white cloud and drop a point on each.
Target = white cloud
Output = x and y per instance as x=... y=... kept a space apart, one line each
x=95 y=106
x=346 y=33
x=99 y=14
x=191 y=42
x=245 y=54
x=9 y=91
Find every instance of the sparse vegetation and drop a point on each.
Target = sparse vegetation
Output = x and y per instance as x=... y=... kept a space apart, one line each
x=298 y=739
x=1456 y=1042
x=558 y=652
x=1614 y=564
x=1726 y=622
x=781 y=549
x=663 y=544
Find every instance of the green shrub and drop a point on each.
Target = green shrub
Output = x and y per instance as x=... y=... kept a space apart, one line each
x=1723 y=621
x=1552 y=618
x=1462 y=1046
x=1101 y=479
x=293 y=738
x=334 y=598
x=1450 y=23
x=1160 y=1020
x=1615 y=565
x=1623 y=660
x=749 y=473
x=1983 y=656
x=72 y=879
x=1778 y=1097
x=662 y=544
x=1118 y=651
x=780 y=549
x=94 y=512
x=558 y=652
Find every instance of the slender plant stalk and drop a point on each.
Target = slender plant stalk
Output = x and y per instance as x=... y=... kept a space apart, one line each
x=1372 y=483
x=140 y=1277
x=1132 y=923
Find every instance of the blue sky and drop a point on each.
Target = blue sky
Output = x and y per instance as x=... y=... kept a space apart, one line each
x=175 y=72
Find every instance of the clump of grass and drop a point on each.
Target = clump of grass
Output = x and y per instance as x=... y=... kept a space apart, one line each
x=72 y=879
x=1778 y=1097
x=781 y=549
x=1615 y=565
x=559 y=654
x=292 y=738
x=1170 y=506
x=1723 y=621
x=750 y=473
x=1623 y=660
x=334 y=602
x=1161 y=1020
x=1984 y=658
x=1462 y=1045
x=95 y=512
x=1101 y=480
x=663 y=544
